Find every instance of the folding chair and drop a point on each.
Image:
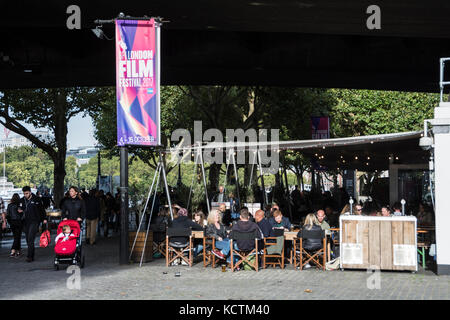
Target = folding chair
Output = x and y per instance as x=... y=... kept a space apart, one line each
x=270 y=242
x=209 y=244
x=175 y=249
x=313 y=256
x=159 y=242
x=243 y=255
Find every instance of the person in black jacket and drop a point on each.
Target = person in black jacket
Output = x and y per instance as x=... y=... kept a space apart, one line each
x=311 y=224
x=92 y=215
x=15 y=222
x=243 y=225
x=34 y=214
x=181 y=220
x=73 y=208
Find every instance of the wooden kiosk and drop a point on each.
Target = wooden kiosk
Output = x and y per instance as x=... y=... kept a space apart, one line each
x=385 y=243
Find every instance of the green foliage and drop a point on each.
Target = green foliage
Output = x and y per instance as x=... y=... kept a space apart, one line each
x=369 y=112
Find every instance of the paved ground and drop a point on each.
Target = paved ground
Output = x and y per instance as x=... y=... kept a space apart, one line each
x=103 y=278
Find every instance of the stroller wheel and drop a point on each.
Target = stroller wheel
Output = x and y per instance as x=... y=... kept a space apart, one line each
x=56 y=267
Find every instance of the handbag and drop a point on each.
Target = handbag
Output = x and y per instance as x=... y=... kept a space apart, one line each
x=45 y=239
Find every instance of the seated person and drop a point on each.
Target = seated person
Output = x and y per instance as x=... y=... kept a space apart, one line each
x=215 y=227
x=65 y=235
x=385 y=212
x=181 y=220
x=397 y=209
x=279 y=222
x=263 y=223
x=320 y=215
x=243 y=225
x=312 y=224
x=199 y=218
x=424 y=216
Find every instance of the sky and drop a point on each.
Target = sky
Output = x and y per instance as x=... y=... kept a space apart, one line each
x=80 y=132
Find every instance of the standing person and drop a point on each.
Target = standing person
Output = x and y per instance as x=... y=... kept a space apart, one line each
x=92 y=215
x=34 y=214
x=109 y=213
x=2 y=217
x=47 y=199
x=74 y=207
x=101 y=199
x=15 y=222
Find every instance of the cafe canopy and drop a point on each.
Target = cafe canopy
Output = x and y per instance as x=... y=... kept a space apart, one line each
x=365 y=153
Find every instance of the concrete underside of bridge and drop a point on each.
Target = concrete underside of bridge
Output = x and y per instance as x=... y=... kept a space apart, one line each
x=321 y=43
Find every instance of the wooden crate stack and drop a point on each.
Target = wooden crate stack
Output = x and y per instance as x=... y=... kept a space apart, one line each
x=139 y=246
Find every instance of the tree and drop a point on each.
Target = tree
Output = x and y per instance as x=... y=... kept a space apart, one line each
x=369 y=112
x=51 y=109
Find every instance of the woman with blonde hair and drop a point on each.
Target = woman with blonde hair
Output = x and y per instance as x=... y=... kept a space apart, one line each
x=215 y=227
x=311 y=221
x=346 y=209
x=311 y=225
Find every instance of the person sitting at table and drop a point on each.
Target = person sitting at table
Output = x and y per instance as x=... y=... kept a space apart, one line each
x=215 y=227
x=199 y=217
x=181 y=220
x=346 y=209
x=263 y=223
x=311 y=223
x=397 y=209
x=279 y=221
x=243 y=225
x=385 y=212
x=320 y=215
x=424 y=216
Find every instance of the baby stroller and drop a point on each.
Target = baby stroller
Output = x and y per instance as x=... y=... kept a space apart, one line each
x=69 y=251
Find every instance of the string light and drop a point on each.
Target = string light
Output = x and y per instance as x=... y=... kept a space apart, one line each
x=368 y=158
x=356 y=158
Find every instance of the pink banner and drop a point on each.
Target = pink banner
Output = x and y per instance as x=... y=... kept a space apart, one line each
x=136 y=83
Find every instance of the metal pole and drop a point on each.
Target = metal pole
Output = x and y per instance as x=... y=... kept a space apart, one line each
x=165 y=183
x=157 y=172
x=192 y=182
x=265 y=200
x=237 y=180
x=150 y=219
x=124 y=205
x=251 y=171
x=204 y=178
x=99 y=172
x=287 y=189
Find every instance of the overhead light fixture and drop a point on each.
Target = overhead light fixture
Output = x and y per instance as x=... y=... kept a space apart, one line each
x=98 y=31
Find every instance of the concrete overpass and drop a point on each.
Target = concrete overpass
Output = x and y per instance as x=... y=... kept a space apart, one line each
x=314 y=43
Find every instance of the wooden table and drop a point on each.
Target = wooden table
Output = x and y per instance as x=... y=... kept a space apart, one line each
x=197 y=234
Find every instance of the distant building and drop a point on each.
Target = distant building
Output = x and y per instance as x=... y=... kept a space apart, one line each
x=16 y=140
x=82 y=154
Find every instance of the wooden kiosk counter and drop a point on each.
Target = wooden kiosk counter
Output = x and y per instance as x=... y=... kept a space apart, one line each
x=386 y=243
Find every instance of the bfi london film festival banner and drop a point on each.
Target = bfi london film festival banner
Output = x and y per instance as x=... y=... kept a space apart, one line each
x=137 y=83
x=320 y=128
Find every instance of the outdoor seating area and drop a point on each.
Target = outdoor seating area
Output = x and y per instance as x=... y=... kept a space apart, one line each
x=352 y=245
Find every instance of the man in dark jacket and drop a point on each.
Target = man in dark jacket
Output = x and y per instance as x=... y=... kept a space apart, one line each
x=243 y=225
x=34 y=214
x=92 y=215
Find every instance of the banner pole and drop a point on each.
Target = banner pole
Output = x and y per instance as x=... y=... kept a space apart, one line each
x=124 y=210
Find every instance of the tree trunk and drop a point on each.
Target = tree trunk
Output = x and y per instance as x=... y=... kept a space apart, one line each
x=59 y=173
x=59 y=161
x=214 y=171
